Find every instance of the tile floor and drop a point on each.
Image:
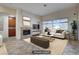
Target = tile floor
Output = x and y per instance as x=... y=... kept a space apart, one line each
x=72 y=47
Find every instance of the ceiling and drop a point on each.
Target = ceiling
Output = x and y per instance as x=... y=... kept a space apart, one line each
x=38 y=8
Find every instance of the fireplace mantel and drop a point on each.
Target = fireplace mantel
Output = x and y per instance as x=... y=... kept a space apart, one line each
x=27 y=34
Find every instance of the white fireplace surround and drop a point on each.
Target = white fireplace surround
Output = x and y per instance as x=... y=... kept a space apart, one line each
x=25 y=28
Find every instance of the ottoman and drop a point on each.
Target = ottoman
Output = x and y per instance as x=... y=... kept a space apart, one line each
x=40 y=41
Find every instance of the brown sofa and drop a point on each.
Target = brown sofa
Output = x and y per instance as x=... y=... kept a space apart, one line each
x=40 y=41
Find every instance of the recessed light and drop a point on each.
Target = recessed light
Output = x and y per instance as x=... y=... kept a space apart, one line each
x=44 y=5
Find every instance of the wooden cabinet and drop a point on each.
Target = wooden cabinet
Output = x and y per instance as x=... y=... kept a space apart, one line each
x=12 y=23
x=12 y=32
x=12 y=26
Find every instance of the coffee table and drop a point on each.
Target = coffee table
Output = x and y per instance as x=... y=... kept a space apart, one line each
x=51 y=38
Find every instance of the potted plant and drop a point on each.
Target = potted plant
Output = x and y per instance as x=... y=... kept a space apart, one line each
x=74 y=28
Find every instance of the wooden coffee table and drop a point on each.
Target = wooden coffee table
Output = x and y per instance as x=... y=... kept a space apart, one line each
x=51 y=38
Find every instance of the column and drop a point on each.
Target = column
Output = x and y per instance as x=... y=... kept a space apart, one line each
x=78 y=21
x=18 y=23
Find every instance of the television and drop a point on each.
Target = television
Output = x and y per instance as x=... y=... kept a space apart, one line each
x=36 y=26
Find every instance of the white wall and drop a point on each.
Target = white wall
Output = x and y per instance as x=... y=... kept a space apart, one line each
x=7 y=10
x=5 y=26
x=1 y=20
x=4 y=32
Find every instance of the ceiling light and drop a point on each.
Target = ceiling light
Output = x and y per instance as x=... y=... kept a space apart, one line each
x=44 y=5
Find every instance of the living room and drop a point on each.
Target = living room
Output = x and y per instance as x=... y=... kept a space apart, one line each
x=31 y=36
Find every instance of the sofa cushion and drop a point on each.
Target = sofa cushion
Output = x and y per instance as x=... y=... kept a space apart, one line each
x=58 y=35
x=59 y=31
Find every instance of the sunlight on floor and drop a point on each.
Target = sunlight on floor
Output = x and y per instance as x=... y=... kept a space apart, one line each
x=27 y=40
x=3 y=50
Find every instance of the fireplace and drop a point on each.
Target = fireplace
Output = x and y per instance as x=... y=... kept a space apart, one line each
x=26 y=32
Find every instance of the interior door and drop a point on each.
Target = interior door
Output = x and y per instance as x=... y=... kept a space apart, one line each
x=12 y=26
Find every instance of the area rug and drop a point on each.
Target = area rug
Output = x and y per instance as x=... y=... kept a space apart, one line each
x=56 y=47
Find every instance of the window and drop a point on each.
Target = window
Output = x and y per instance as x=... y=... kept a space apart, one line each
x=60 y=24
x=56 y=24
x=26 y=21
x=47 y=24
